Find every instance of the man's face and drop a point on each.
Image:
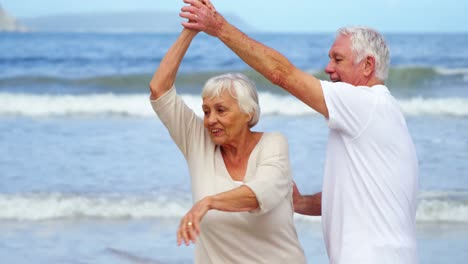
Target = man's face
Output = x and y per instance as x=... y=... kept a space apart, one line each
x=341 y=67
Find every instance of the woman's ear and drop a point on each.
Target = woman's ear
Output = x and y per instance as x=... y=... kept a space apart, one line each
x=249 y=118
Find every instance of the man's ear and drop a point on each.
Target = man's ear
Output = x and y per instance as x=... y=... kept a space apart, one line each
x=369 y=66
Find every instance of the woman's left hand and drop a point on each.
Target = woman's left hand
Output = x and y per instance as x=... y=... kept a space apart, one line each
x=189 y=227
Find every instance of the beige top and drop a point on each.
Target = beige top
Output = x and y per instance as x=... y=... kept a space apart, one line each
x=267 y=235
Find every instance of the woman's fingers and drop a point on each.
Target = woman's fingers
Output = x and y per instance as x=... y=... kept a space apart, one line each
x=196 y=226
x=191 y=232
x=186 y=232
x=189 y=227
x=179 y=237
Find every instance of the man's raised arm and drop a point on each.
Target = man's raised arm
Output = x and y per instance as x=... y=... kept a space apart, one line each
x=265 y=60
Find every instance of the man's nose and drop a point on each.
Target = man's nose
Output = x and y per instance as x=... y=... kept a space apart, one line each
x=329 y=69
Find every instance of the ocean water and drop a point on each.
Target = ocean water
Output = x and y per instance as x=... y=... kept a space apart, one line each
x=88 y=174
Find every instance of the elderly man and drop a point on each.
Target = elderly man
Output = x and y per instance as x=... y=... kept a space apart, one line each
x=369 y=195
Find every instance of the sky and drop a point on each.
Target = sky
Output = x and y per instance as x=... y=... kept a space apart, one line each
x=287 y=15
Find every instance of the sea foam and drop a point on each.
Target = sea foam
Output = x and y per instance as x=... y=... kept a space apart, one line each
x=444 y=207
x=138 y=105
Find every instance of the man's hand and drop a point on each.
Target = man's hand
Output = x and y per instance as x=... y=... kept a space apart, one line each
x=297 y=197
x=307 y=204
x=202 y=16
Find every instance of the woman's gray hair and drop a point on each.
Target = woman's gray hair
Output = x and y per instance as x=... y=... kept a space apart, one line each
x=368 y=42
x=240 y=88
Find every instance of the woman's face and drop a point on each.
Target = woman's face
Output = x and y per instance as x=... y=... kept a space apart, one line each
x=223 y=118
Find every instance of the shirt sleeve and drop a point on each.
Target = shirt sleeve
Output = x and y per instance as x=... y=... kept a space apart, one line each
x=185 y=128
x=272 y=180
x=350 y=108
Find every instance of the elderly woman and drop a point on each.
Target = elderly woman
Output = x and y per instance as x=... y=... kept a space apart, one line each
x=241 y=179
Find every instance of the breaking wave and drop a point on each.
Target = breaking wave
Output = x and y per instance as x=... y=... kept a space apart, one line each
x=433 y=207
x=137 y=105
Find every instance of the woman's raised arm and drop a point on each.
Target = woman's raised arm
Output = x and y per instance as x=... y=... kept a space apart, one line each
x=165 y=75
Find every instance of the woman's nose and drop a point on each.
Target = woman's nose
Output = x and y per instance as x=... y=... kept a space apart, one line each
x=212 y=119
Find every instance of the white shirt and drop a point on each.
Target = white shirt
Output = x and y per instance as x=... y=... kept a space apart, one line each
x=369 y=196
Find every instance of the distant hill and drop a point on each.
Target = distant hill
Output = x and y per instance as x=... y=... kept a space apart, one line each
x=134 y=21
x=9 y=23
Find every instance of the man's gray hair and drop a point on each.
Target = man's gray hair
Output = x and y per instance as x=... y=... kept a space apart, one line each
x=240 y=88
x=368 y=42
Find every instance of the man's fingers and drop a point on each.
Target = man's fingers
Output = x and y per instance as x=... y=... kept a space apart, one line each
x=189 y=9
x=189 y=16
x=295 y=188
x=192 y=26
x=195 y=3
x=184 y=15
x=208 y=4
x=200 y=4
x=189 y=12
x=191 y=23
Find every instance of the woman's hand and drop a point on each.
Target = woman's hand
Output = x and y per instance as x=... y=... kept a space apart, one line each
x=189 y=227
x=241 y=199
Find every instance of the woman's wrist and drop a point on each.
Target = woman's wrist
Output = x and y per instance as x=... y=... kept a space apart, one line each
x=190 y=32
x=208 y=202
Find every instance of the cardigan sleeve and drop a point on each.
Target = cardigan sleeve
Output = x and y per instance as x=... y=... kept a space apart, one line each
x=185 y=128
x=272 y=180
